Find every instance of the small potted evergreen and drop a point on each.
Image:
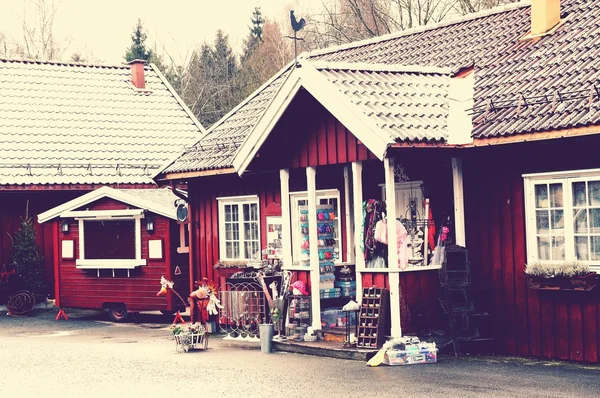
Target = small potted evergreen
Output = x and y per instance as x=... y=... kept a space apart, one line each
x=23 y=278
x=564 y=275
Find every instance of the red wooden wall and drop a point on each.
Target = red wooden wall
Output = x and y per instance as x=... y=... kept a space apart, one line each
x=528 y=322
x=14 y=200
x=80 y=288
x=308 y=135
x=203 y=193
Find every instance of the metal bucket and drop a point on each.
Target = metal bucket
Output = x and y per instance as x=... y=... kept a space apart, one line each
x=266 y=337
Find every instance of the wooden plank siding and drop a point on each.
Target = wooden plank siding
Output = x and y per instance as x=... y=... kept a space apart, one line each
x=557 y=325
x=205 y=218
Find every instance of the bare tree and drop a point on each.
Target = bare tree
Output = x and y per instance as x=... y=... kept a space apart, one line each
x=470 y=6
x=344 y=21
x=37 y=25
x=271 y=55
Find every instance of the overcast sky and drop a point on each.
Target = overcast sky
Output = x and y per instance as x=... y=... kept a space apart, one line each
x=103 y=27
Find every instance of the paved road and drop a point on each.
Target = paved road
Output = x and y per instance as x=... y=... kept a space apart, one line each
x=88 y=357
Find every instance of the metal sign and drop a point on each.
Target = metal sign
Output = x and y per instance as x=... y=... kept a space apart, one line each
x=177 y=270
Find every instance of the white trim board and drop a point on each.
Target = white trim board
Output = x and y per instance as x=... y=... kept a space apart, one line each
x=328 y=95
x=109 y=264
x=106 y=192
x=103 y=214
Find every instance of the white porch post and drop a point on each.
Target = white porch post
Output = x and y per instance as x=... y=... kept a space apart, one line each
x=311 y=187
x=286 y=227
x=394 y=276
x=357 y=198
x=459 y=202
x=347 y=213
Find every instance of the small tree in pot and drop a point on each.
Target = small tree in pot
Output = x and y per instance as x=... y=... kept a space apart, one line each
x=27 y=263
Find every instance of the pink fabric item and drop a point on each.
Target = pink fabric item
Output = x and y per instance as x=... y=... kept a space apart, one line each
x=381 y=235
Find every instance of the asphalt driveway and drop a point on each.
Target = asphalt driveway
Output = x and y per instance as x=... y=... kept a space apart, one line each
x=89 y=356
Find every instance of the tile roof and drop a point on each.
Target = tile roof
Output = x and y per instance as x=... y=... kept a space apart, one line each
x=83 y=124
x=521 y=86
x=407 y=105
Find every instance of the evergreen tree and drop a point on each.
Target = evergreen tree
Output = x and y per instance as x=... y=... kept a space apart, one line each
x=255 y=37
x=138 y=49
x=211 y=85
x=26 y=258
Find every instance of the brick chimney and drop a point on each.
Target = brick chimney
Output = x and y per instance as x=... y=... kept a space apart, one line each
x=545 y=15
x=137 y=73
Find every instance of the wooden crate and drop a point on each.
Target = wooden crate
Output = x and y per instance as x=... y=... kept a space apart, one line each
x=372 y=317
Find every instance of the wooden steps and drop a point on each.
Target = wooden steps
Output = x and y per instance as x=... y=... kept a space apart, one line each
x=325 y=349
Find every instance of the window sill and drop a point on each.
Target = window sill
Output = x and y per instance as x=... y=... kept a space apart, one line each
x=109 y=264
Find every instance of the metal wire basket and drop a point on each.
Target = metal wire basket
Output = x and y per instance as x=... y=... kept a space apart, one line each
x=191 y=341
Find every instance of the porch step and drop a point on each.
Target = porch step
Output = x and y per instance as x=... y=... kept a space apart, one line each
x=324 y=349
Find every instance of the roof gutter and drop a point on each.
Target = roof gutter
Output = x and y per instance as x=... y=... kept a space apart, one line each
x=195 y=174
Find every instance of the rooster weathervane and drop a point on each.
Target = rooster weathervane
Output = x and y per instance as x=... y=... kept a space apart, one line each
x=296 y=26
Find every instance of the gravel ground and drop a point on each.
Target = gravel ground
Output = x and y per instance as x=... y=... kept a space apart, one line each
x=88 y=356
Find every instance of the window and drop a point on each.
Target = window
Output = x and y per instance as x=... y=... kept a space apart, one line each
x=563 y=217
x=239 y=228
x=109 y=239
x=326 y=199
x=117 y=239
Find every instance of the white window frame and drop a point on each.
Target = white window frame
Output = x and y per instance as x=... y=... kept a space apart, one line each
x=108 y=215
x=303 y=195
x=239 y=201
x=566 y=178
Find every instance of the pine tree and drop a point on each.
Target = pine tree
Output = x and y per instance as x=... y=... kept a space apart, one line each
x=255 y=37
x=138 y=49
x=26 y=258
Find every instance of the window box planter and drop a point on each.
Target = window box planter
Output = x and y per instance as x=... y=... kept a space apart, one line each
x=576 y=283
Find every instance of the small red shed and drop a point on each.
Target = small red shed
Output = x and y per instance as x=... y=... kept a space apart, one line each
x=112 y=246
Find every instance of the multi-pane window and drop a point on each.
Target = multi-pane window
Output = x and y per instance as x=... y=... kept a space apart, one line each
x=239 y=228
x=563 y=217
x=586 y=219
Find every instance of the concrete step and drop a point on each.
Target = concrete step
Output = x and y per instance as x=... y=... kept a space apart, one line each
x=325 y=349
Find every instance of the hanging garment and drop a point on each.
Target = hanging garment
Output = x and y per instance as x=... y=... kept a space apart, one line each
x=431 y=228
x=374 y=213
x=381 y=235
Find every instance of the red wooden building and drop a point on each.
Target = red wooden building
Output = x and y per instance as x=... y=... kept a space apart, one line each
x=112 y=247
x=502 y=142
x=67 y=129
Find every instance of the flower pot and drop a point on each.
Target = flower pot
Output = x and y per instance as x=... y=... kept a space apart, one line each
x=576 y=283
